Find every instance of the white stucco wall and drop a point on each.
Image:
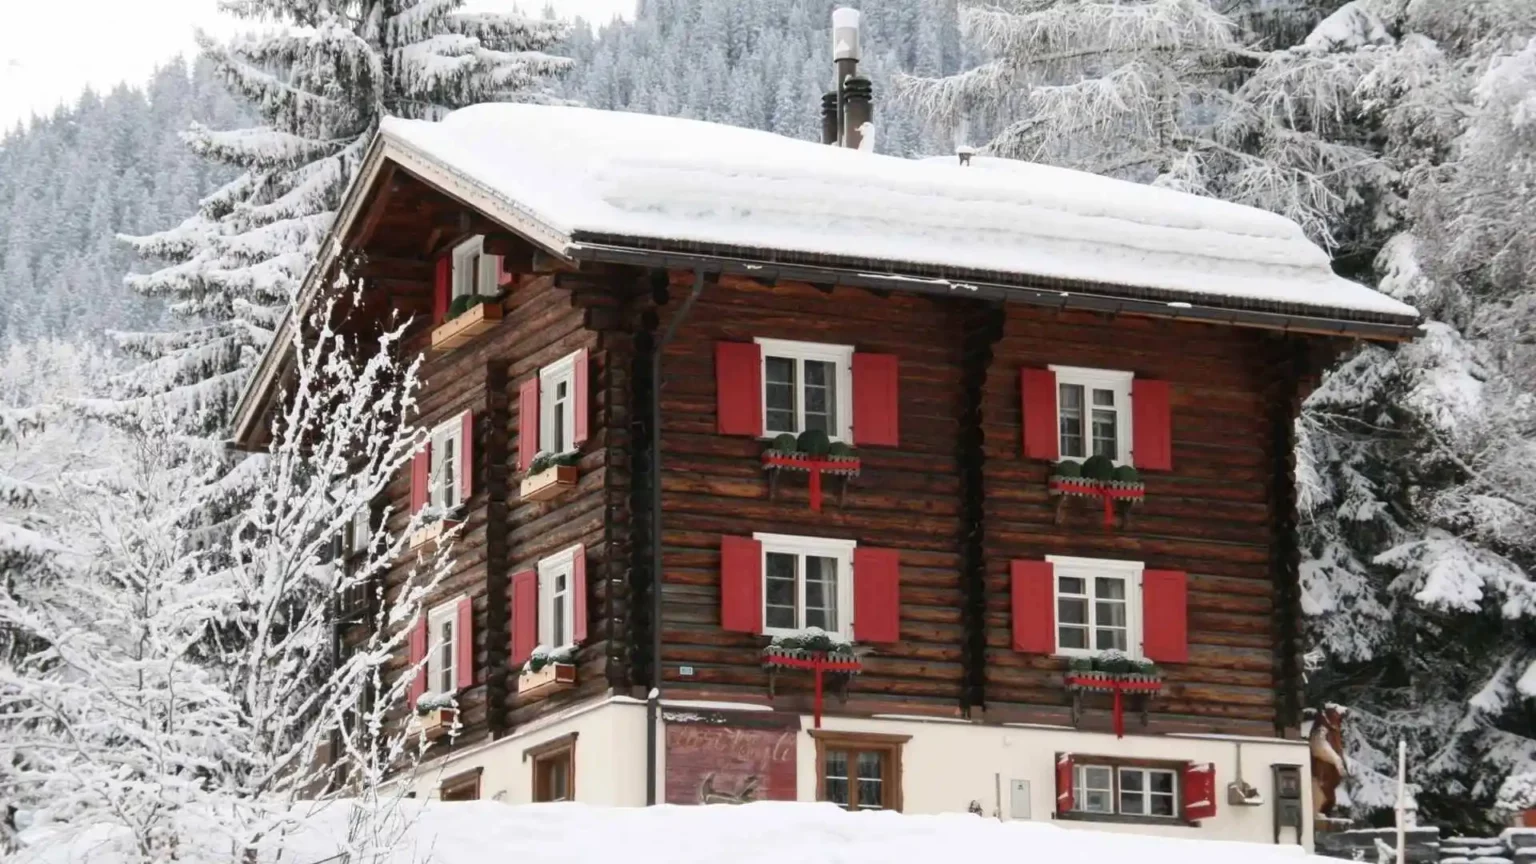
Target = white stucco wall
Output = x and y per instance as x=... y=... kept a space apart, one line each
x=610 y=757
x=945 y=765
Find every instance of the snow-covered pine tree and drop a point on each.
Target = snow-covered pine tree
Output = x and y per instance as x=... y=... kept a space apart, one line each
x=1418 y=464
x=320 y=84
x=164 y=682
x=1145 y=90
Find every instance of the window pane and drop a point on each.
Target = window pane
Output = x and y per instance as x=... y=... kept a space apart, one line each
x=1110 y=613
x=820 y=396
x=1162 y=782
x=1105 y=437
x=780 y=593
x=1071 y=585
x=837 y=777
x=821 y=592
x=1109 y=588
x=779 y=378
x=1071 y=610
x=557 y=621
x=445 y=656
x=1096 y=789
x=1103 y=398
x=1131 y=781
x=1162 y=805
x=1073 y=637
x=1070 y=406
x=1108 y=639
x=870 y=779
x=1096 y=777
x=1131 y=803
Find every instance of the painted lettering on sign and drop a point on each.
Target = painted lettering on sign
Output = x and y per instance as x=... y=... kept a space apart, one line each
x=712 y=764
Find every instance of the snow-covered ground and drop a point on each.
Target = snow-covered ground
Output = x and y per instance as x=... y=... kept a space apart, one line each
x=486 y=832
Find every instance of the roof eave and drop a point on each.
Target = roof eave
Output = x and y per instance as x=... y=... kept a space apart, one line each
x=1052 y=293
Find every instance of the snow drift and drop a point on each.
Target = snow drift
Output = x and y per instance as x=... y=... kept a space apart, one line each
x=486 y=832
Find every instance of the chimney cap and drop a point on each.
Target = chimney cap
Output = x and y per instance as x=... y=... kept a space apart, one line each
x=845 y=33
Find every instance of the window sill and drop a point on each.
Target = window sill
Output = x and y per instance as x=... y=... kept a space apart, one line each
x=1080 y=816
x=435 y=531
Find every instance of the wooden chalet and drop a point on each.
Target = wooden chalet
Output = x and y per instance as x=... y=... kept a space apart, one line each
x=695 y=390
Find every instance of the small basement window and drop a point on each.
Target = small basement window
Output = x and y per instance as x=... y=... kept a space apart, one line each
x=1093 y=413
x=554 y=769
x=557 y=405
x=807 y=582
x=859 y=771
x=475 y=272
x=1098 y=606
x=1111 y=789
x=446 y=491
x=557 y=607
x=442 y=646
x=807 y=385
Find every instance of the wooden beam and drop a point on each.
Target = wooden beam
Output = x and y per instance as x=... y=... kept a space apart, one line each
x=384 y=193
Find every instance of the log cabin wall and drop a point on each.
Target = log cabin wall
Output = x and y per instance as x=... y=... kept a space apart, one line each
x=907 y=497
x=546 y=317
x=1210 y=516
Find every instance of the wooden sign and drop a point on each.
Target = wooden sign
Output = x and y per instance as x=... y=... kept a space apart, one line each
x=719 y=758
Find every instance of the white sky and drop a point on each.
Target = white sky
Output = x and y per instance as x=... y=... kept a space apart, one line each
x=50 y=50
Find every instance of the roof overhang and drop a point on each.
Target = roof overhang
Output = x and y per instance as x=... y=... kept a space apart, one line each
x=767 y=264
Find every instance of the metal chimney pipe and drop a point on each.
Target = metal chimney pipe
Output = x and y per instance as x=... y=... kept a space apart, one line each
x=829 y=127
x=845 y=57
x=858 y=110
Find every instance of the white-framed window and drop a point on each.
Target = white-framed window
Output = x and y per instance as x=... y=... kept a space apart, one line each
x=1148 y=792
x=1098 y=606
x=442 y=647
x=1125 y=790
x=475 y=272
x=557 y=607
x=446 y=486
x=557 y=405
x=807 y=582
x=1093 y=413
x=807 y=385
x=1095 y=785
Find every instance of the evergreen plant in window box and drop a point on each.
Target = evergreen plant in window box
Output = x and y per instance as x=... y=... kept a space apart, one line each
x=550 y=474
x=547 y=671
x=437 y=524
x=1114 y=673
x=436 y=714
x=815 y=454
x=1097 y=479
x=468 y=316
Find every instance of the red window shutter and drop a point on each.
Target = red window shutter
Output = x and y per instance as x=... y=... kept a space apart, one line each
x=421 y=478
x=875 y=400
x=579 y=596
x=739 y=388
x=1034 y=607
x=1041 y=435
x=1164 y=616
x=876 y=594
x=527 y=422
x=442 y=289
x=1151 y=425
x=1065 y=798
x=416 y=651
x=741 y=584
x=467 y=455
x=464 y=647
x=1199 y=790
x=525 y=615
x=583 y=404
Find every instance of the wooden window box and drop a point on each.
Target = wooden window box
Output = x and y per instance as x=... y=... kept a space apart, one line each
x=436 y=722
x=432 y=533
x=552 y=678
x=548 y=483
x=476 y=320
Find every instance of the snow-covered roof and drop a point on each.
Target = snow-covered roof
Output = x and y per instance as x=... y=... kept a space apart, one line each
x=487 y=832
x=581 y=176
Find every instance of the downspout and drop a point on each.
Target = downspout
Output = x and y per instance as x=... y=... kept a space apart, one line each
x=653 y=698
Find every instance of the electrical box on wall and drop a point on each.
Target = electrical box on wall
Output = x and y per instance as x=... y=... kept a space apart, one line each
x=1288 y=814
x=1018 y=799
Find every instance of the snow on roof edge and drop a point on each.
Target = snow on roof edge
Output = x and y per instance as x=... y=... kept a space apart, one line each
x=587 y=183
